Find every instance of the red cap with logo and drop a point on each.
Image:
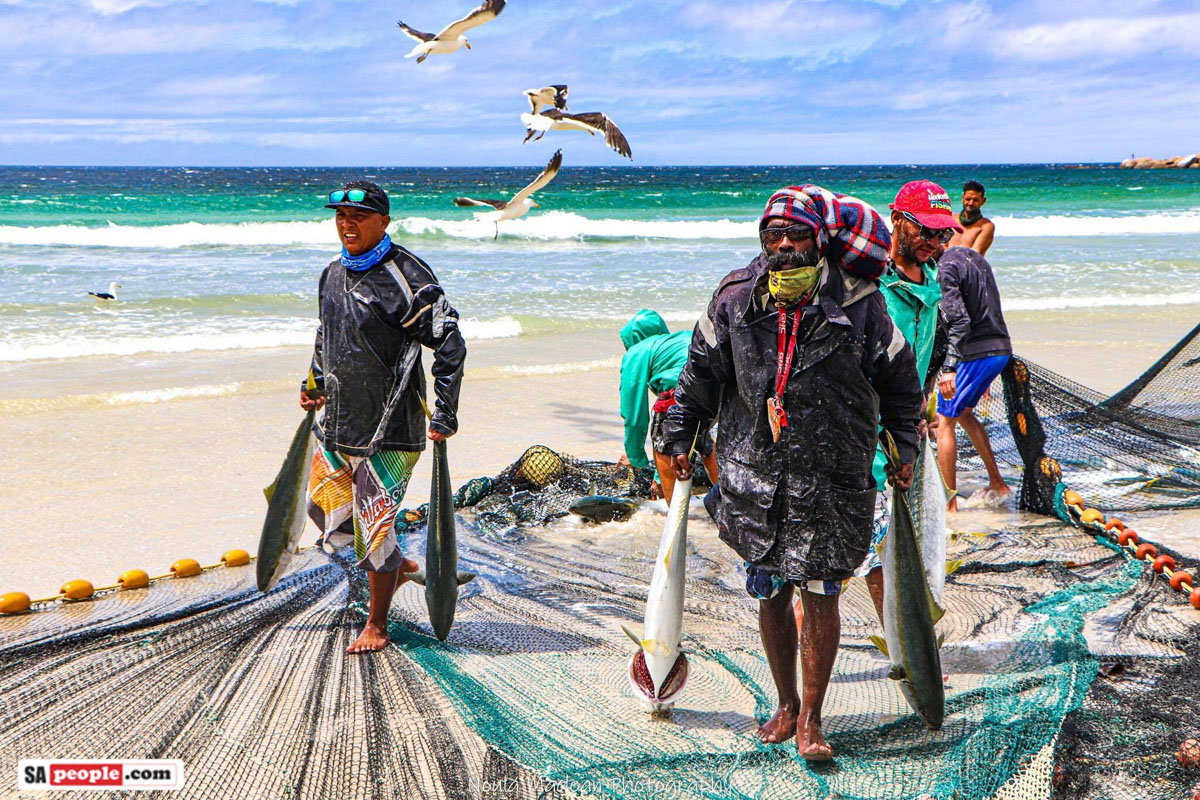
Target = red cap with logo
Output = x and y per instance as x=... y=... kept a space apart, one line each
x=929 y=203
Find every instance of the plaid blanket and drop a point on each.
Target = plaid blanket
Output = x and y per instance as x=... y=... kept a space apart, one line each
x=849 y=232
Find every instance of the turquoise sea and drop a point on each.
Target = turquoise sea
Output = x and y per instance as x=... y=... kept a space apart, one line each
x=213 y=259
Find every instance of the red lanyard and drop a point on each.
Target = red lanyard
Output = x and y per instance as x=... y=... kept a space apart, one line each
x=783 y=366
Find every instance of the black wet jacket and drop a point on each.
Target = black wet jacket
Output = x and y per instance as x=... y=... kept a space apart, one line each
x=367 y=356
x=970 y=308
x=802 y=506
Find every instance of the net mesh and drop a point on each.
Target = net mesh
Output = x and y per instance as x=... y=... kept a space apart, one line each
x=1072 y=668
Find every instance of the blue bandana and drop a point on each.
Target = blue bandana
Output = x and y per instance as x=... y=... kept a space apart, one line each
x=369 y=258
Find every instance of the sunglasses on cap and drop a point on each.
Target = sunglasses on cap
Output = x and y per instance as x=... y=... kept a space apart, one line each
x=352 y=195
x=929 y=234
x=796 y=233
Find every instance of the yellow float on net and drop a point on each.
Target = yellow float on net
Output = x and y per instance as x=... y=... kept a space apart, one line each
x=235 y=558
x=1072 y=498
x=77 y=589
x=14 y=603
x=133 y=579
x=1091 y=515
x=186 y=568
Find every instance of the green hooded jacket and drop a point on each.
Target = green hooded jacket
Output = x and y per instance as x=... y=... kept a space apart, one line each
x=652 y=363
x=914 y=309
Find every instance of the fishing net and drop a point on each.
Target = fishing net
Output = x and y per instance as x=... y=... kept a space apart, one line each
x=1071 y=667
x=1135 y=451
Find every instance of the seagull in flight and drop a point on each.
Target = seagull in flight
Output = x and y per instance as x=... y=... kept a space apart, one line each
x=553 y=95
x=555 y=119
x=520 y=203
x=451 y=38
x=111 y=294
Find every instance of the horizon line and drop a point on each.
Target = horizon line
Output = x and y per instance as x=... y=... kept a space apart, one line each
x=904 y=164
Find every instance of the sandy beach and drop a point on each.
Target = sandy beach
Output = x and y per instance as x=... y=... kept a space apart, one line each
x=136 y=461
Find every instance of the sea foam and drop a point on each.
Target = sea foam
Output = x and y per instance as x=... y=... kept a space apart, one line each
x=548 y=226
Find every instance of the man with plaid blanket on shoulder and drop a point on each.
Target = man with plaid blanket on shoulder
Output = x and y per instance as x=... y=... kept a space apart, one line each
x=799 y=362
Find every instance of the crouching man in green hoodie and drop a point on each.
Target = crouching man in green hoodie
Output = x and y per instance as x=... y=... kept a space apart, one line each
x=654 y=357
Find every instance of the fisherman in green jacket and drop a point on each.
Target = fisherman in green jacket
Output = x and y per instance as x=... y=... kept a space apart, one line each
x=922 y=223
x=654 y=357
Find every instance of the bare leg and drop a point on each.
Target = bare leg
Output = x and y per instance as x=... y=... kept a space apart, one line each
x=820 y=634
x=983 y=446
x=875 y=587
x=947 y=453
x=666 y=476
x=383 y=586
x=778 y=629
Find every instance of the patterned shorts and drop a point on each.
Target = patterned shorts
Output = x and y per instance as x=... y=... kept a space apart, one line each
x=762 y=584
x=361 y=494
x=879 y=529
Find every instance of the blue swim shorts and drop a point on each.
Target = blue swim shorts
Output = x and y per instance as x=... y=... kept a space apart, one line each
x=762 y=584
x=972 y=380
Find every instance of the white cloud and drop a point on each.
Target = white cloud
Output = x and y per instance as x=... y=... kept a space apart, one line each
x=1102 y=38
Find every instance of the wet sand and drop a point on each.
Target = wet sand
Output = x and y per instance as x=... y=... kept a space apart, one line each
x=137 y=461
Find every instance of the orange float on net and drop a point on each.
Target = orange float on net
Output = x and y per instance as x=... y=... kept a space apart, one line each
x=186 y=568
x=1091 y=515
x=77 y=589
x=1194 y=597
x=1163 y=562
x=1114 y=523
x=1180 y=578
x=235 y=558
x=14 y=603
x=1072 y=498
x=1126 y=536
x=133 y=579
x=1145 y=549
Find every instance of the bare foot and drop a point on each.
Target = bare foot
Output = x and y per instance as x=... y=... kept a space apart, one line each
x=780 y=727
x=811 y=744
x=370 y=640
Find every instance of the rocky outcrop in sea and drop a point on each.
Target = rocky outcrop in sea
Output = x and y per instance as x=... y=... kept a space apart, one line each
x=1174 y=162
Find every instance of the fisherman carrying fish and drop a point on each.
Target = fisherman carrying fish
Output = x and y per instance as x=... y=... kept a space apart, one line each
x=799 y=361
x=378 y=304
x=653 y=359
x=922 y=222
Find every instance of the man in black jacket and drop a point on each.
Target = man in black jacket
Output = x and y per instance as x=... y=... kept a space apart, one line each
x=799 y=361
x=978 y=348
x=378 y=304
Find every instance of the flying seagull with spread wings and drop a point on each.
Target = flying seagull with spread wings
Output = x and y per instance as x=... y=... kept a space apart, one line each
x=553 y=119
x=451 y=38
x=520 y=202
x=553 y=95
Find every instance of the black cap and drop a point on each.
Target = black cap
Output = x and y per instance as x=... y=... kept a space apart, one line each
x=376 y=199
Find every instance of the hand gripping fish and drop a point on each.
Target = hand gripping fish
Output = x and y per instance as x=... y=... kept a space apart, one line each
x=658 y=671
x=287 y=507
x=913 y=576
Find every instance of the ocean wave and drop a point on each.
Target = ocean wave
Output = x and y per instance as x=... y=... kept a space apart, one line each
x=167 y=395
x=296 y=333
x=559 y=369
x=1083 y=300
x=549 y=226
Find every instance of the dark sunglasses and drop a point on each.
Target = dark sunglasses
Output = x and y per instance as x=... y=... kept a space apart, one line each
x=796 y=233
x=928 y=234
x=353 y=195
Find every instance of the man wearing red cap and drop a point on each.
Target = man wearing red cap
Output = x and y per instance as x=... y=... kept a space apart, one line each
x=799 y=361
x=922 y=223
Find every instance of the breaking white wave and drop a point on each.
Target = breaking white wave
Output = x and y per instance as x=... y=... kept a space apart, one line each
x=502 y=328
x=559 y=369
x=1085 y=300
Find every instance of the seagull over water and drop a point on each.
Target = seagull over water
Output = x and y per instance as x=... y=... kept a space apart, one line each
x=520 y=203
x=553 y=95
x=111 y=294
x=451 y=38
x=557 y=119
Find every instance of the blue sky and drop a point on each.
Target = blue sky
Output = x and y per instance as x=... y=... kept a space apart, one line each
x=324 y=82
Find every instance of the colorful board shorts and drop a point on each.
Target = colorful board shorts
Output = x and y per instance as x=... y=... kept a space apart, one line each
x=355 y=499
x=879 y=530
x=763 y=584
x=971 y=381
